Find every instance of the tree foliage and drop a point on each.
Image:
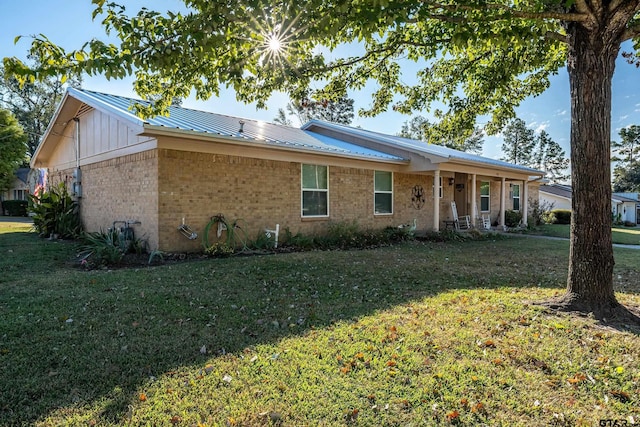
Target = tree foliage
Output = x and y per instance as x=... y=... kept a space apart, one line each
x=33 y=104
x=519 y=143
x=336 y=111
x=12 y=148
x=626 y=179
x=522 y=147
x=550 y=157
x=420 y=129
x=627 y=149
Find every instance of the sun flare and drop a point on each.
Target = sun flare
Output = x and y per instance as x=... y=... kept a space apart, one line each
x=274 y=43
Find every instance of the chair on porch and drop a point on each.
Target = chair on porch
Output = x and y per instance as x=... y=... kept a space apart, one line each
x=461 y=222
x=484 y=220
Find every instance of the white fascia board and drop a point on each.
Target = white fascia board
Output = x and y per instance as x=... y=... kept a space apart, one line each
x=105 y=107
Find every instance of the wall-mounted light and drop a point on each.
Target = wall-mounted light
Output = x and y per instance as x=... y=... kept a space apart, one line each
x=451 y=181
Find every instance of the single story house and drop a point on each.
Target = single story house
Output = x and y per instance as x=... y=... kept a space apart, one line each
x=558 y=195
x=162 y=172
x=625 y=206
x=19 y=189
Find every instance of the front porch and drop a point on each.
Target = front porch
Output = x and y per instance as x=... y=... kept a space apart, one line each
x=480 y=195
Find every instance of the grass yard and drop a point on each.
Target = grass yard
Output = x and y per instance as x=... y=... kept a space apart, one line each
x=620 y=235
x=415 y=334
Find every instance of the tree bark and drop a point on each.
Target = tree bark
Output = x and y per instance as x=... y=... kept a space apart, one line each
x=591 y=62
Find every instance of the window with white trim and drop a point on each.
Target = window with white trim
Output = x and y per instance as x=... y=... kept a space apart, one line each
x=515 y=195
x=485 y=196
x=315 y=191
x=19 y=195
x=440 y=187
x=383 y=192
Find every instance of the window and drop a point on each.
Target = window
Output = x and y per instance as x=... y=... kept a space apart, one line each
x=485 y=196
x=515 y=194
x=315 y=191
x=383 y=192
x=19 y=195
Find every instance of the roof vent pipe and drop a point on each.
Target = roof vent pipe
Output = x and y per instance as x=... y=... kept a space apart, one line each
x=241 y=126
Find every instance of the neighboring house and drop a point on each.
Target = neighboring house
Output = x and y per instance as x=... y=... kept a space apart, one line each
x=624 y=205
x=185 y=168
x=557 y=194
x=19 y=189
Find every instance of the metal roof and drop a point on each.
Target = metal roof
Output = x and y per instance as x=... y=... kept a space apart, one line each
x=419 y=146
x=186 y=119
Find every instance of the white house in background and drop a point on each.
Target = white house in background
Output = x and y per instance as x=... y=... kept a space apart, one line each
x=558 y=194
x=626 y=205
x=19 y=189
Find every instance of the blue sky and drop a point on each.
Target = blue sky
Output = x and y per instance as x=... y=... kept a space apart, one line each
x=68 y=23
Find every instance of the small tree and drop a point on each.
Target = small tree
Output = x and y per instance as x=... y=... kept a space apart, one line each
x=13 y=148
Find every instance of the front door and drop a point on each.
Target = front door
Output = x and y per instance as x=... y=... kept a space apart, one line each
x=460 y=193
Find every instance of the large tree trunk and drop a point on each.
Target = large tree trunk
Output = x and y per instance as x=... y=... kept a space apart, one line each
x=591 y=62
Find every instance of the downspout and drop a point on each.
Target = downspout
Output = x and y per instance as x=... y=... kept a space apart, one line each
x=77 y=174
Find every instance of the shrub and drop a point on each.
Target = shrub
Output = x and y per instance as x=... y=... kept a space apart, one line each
x=228 y=232
x=629 y=224
x=563 y=216
x=549 y=217
x=219 y=249
x=512 y=218
x=345 y=235
x=107 y=248
x=102 y=248
x=539 y=212
x=55 y=212
x=15 y=207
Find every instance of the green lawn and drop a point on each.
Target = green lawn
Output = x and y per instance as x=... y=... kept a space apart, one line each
x=621 y=235
x=419 y=333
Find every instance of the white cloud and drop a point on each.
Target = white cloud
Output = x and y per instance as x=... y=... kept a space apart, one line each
x=538 y=127
x=625 y=117
x=561 y=112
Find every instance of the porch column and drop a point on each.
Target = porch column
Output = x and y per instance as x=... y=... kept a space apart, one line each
x=525 y=202
x=474 y=203
x=502 y=201
x=436 y=200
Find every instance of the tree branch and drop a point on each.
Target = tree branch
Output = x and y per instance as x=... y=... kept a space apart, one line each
x=631 y=33
x=559 y=16
x=552 y=35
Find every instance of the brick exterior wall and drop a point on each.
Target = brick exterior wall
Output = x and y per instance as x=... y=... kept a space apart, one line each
x=161 y=187
x=121 y=189
x=196 y=186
